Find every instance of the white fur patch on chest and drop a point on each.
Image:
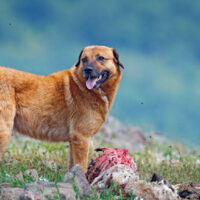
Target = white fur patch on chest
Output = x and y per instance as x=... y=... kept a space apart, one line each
x=104 y=97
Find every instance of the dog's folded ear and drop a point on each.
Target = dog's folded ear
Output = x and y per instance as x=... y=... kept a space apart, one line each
x=79 y=59
x=116 y=56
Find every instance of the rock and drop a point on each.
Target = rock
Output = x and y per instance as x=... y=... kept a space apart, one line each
x=79 y=180
x=112 y=132
x=136 y=137
x=37 y=187
x=29 y=195
x=33 y=173
x=5 y=185
x=11 y=193
x=110 y=129
x=44 y=191
x=189 y=191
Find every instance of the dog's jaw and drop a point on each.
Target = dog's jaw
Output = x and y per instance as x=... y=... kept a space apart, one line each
x=95 y=82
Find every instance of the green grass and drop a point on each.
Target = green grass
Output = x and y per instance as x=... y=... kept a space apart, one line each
x=176 y=168
x=50 y=161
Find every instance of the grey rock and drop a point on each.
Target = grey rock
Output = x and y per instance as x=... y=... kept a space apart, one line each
x=29 y=195
x=38 y=191
x=10 y=193
x=5 y=185
x=76 y=173
x=37 y=187
x=113 y=132
x=48 y=191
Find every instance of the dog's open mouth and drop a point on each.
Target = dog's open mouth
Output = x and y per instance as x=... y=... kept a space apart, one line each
x=95 y=82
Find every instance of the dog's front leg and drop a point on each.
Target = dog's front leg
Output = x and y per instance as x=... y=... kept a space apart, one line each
x=79 y=146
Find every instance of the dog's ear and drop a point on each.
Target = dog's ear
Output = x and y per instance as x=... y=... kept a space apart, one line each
x=116 y=56
x=79 y=59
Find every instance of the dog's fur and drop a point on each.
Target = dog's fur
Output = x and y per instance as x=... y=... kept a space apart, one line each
x=59 y=107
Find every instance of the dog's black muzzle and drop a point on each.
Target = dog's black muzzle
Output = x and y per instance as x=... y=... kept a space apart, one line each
x=91 y=74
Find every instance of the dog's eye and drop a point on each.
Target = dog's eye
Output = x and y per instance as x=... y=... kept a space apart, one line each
x=100 y=58
x=84 y=60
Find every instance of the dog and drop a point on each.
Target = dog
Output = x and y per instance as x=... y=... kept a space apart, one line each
x=69 y=105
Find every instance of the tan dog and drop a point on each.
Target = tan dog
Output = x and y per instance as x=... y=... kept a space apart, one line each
x=69 y=105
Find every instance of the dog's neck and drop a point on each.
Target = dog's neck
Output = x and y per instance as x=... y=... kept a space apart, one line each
x=110 y=89
x=106 y=91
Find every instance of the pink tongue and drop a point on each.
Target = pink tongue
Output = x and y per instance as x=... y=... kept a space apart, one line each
x=91 y=82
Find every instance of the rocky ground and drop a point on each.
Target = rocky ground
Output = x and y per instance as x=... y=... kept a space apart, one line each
x=74 y=185
x=113 y=133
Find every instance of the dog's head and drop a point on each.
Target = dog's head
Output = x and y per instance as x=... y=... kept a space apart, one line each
x=97 y=65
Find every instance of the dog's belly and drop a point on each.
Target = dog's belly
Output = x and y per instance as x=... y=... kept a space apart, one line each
x=47 y=128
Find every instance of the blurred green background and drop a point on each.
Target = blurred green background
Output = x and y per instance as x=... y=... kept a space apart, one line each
x=158 y=42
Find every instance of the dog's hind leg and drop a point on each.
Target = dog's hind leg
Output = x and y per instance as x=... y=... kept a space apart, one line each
x=7 y=115
x=79 y=151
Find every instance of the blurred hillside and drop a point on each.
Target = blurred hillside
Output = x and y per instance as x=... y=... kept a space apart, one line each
x=158 y=42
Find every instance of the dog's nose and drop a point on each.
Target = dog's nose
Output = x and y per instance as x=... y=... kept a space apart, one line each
x=88 y=69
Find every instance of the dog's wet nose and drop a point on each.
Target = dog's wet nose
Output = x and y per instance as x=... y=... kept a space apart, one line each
x=88 y=70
